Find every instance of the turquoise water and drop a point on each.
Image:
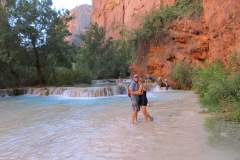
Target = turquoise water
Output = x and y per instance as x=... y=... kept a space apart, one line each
x=58 y=127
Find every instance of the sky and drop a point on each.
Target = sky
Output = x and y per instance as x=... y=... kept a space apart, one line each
x=69 y=4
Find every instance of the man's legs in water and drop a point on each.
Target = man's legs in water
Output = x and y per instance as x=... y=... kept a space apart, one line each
x=134 y=116
x=135 y=107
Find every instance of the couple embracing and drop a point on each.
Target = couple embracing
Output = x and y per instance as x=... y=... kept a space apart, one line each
x=139 y=99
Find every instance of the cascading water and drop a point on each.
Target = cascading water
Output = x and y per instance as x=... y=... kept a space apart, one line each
x=79 y=92
x=99 y=91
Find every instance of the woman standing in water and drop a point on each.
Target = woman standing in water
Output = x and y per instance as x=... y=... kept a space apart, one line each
x=143 y=101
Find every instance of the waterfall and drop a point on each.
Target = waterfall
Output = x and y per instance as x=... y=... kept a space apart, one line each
x=79 y=92
x=102 y=91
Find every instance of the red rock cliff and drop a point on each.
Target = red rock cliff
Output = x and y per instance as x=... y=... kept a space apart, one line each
x=222 y=22
x=114 y=15
x=81 y=21
x=212 y=36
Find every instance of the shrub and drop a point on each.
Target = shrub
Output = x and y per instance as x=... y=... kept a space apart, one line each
x=209 y=83
x=65 y=76
x=234 y=60
x=181 y=74
x=218 y=90
x=159 y=18
x=233 y=99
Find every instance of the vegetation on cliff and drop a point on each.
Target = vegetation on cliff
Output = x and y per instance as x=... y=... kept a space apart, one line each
x=157 y=20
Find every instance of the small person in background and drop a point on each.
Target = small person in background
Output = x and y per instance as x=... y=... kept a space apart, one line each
x=167 y=84
x=150 y=79
x=160 y=81
x=146 y=78
x=120 y=81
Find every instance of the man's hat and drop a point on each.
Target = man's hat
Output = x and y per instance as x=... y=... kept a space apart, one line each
x=135 y=75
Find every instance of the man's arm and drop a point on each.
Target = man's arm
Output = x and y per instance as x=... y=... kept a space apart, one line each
x=138 y=92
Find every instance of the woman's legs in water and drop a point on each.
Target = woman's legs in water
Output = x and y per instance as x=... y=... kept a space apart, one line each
x=136 y=116
x=145 y=113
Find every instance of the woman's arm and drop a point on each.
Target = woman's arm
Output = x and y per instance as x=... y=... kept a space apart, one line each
x=139 y=92
x=144 y=87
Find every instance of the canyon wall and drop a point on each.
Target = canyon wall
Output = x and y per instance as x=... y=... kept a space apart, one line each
x=213 y=35
x=80 y=23
x=222 y=21
x=116 y=15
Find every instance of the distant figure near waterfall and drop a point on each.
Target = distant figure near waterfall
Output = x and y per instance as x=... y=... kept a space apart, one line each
x=167 y=84
x=120 y=81
x=160 y=81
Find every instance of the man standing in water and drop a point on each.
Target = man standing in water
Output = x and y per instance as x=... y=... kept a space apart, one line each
x=167 y=84
x=134 y=86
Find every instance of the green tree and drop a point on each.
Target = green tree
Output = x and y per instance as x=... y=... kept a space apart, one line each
x=104 y=57
x=10 y=49
x=42 y=30
x=98 y=52
x=125 y=53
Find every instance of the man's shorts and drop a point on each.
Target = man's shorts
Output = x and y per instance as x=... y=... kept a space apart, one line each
x=135 y=105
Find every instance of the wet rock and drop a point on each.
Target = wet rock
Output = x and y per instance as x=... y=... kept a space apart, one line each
x=13 y=92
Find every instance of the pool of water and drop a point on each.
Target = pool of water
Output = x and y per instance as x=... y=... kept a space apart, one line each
x=58 y=127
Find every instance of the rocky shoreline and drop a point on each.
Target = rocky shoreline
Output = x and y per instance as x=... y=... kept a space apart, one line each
x=13 y=92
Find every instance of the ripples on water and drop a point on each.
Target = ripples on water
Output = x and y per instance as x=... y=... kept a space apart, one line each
x=224 y=134
x=58 y=127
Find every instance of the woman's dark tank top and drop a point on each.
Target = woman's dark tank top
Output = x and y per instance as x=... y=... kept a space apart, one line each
x=143 y=98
